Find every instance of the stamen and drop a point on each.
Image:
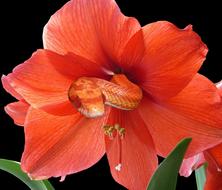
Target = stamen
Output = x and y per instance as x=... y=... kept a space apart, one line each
x=119 y=144
x=108 y=130
x=120 y=132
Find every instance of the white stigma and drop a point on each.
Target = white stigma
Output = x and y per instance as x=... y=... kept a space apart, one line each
x=118 y=167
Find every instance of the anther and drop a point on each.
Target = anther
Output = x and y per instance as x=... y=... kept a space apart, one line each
x=108 y=130
x=121 y=131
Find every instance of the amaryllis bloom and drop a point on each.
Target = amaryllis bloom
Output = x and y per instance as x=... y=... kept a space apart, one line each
x=104 y=84
x=213 y=158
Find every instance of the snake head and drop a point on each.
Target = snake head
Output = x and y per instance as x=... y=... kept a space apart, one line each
x=87 y=97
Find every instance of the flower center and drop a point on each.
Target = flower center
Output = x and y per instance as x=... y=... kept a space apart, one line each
x=90 y=95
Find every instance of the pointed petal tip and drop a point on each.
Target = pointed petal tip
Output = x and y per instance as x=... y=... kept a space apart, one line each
x=219 y=84
x=6 y=109
x=3 y=79
x=189 y=27
x=3 y=76
x=17 y=111
x=62 y=178
x=204 y=48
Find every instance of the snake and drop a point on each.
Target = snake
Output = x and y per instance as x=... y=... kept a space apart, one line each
x=89 y=95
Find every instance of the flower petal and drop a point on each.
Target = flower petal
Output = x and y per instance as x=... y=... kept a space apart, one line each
x=17 y=111
x=195 y=112
x=44 y=80
x=93 y=29
x=61 y=145
x=213 y=181
x=137 y=153
x=214 y=169
x=163 y=59
x=214 y=155
x=191 y=164
x=9 y=88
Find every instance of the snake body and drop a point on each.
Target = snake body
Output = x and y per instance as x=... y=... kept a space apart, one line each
x=90 y=95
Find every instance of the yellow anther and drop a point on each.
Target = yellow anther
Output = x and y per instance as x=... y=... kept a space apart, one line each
x=108 y=130
x=122 y=132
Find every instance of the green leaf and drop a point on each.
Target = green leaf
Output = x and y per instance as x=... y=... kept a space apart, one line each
x=48 y=185
x=14 y=168
x=165 y=177
x=200 y=174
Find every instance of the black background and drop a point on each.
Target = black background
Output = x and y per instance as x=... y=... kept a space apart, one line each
x=21 y=34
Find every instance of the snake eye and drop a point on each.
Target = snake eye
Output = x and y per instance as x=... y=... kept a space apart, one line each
x=76 y=102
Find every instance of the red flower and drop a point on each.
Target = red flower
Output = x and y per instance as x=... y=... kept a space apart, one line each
x=94 y=39
x=214 y=170
x=213 y=157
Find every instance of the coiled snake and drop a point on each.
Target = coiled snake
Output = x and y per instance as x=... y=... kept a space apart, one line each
x=90 y=95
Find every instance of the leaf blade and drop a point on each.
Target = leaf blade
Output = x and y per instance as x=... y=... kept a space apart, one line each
x=200 y=175
x=14 y=168
x=165 y=177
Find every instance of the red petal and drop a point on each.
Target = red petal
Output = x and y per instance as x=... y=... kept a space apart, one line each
x=214 y=172
x=214 y=169
x=214 y=155
x=138 y=156
x=195 y=112
x=9 y=88
x=17 y=111
x=163 y=59
x=214 y=180
x=191 y=164
x=45 y=78
x=93 y=29
x=61 y=145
